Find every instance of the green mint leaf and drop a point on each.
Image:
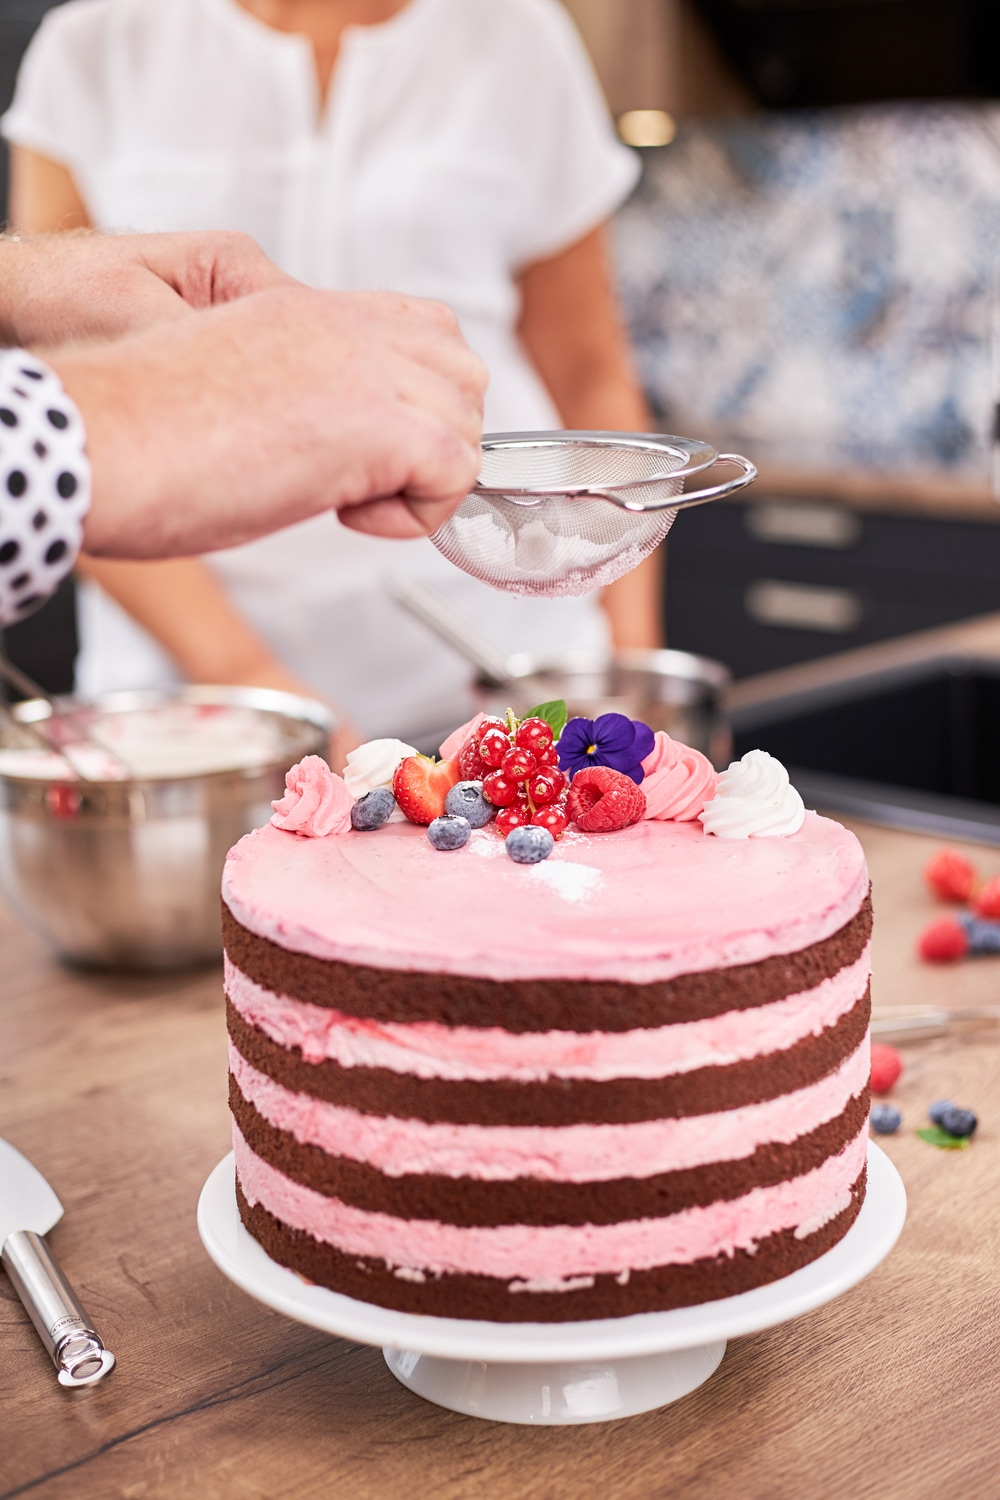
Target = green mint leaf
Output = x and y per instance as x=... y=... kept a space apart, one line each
x=935 y=1136
x=554 y=714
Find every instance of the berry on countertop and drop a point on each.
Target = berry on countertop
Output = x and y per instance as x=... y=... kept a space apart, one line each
x=466 y=800
x=602 y=800
x=943 y=941
x=938 y=1108
x=373 y=809
x=887 y=1065
x=885 y=1119
x=987 y=903
x=950 y=875
x=529 y=844
x=449 y=832
x=421 y=786
x=982 y=934
x=957 y=1122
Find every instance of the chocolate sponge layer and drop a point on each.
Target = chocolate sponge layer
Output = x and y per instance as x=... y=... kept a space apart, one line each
x=544 y=1004
x=487 y=1297
x=556 y=1101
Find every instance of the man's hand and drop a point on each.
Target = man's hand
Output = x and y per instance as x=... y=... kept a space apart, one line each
x=57 y=288
x=208 y=431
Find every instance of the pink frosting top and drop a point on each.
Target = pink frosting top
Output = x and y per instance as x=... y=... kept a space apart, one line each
x=678 y=782
x=316 y=801
x=644 y=904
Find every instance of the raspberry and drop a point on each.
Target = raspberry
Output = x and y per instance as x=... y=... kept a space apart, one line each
x=887 y=1065
x=602 y=800
x=950 y=876
x=943 y=941
x=987 y=903
x=470 y=762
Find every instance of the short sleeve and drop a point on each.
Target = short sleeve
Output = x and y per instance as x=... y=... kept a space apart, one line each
x=577 y=171
x=56 y=109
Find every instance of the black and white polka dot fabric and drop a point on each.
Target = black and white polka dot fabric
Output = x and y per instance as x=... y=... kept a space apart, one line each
x=44 y=484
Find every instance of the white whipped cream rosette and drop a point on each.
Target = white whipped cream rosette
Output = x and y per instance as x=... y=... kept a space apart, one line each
x=754 y=800
x=374 y=764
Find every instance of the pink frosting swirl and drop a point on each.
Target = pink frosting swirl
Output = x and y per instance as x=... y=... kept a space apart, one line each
x=316 y=801
x=679 y=781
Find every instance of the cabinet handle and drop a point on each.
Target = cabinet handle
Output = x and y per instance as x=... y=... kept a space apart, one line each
x=796 y=525
x=803 y=606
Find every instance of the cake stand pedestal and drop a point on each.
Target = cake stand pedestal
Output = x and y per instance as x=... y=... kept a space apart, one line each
x=555 y=1373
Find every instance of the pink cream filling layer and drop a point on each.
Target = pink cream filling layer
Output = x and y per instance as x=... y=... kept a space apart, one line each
x=566 y=1153
x=466 y=1053
x=803 y=1204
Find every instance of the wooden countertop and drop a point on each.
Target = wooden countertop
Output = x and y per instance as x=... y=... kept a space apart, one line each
x=115 y=1087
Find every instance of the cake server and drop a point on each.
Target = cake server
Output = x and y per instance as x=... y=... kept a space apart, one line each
x=28 y=1210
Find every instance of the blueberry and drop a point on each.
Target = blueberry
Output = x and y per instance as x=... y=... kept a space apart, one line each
x=449 y=832
x=957 y=1122
x=983 y=935
x=529 y=844
x=885 y=1119
x=373 y=809
x=466 y=800
x=938 y=1108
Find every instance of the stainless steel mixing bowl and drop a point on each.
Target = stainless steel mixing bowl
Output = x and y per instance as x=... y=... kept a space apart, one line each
x=125 y=874
x=670 y=690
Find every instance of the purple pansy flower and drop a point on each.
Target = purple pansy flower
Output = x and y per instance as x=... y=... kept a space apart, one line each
x=609 y=740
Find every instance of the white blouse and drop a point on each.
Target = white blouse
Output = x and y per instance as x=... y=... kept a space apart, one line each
x=459 y=142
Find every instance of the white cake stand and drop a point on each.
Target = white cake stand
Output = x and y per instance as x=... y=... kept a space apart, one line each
x=555 y=1373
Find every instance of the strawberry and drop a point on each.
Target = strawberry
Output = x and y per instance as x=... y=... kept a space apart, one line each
x=420 y=786
x=887 y=1065
x=950 y=875
x=602 y=800
x=987 y=903
x=943 y=941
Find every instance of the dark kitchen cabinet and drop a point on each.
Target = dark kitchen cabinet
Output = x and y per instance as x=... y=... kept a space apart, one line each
x=768 y=584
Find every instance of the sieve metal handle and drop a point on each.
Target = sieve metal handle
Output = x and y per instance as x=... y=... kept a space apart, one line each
x=686 y=500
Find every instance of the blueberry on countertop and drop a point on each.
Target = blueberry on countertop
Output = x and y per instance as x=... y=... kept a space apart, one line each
x=466 y=800
x=958 y=1122
x=529 y=844
x=885 y=1119
x=373 y=809
x=937 y=1109
x=449 y=832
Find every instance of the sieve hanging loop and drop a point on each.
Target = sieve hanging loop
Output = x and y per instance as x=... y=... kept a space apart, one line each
x=563 y=513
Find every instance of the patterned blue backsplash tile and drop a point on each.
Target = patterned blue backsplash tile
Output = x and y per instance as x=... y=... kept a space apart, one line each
x=818 y=287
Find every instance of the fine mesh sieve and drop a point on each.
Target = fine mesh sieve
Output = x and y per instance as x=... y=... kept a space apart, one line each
x=561 y=513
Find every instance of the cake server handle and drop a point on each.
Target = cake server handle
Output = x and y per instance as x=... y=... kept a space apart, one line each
x=75 y=1347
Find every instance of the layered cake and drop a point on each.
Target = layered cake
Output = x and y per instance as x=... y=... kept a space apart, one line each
x=627 y=1076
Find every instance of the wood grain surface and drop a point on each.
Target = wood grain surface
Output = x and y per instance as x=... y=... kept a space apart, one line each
x=115 y=1087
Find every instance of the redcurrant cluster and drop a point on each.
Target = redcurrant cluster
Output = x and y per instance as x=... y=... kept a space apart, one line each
x=519 y=767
